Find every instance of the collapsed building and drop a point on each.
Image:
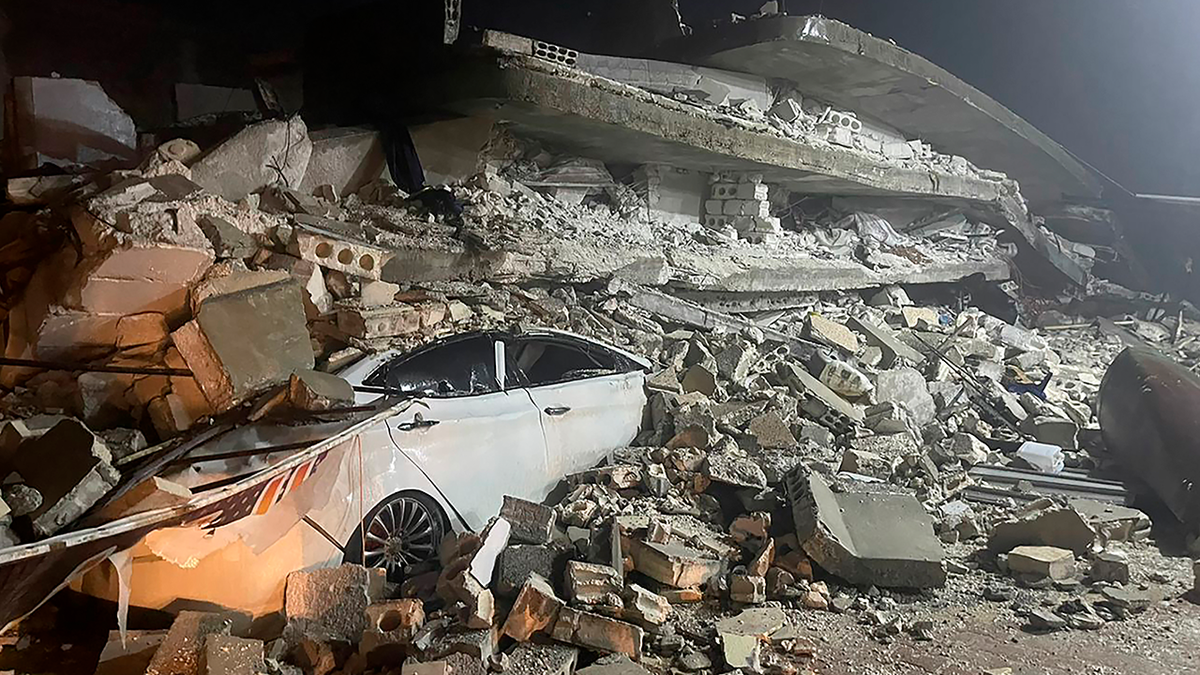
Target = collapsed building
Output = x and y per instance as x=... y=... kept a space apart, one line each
x=854 y=275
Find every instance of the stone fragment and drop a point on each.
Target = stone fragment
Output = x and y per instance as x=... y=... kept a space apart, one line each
x=518 y=561
x=761 y=562
x=671 y=564
x=70 y=468
x=1052 y=431
x=751 y=530
x=243 y=342
x=700 y=379
x=378 y=293
x=645 y=606
x=734 y=470
x=865 y=463
x=969 y=449
x=907 y=387
x=227 y=239
x=734 y=362
x=1041 y=562
x=538 y=659
x=181 y=651
x=229 y=655
x=1127 y=598
x=331 y=603
x=1054 y=526
x=535 y=609
x=771 y=432
x=865 y=538
x=751 y=590
x=344 y=158
x=830 y=332
x=391 y=627
x=592 y=584
x=893 y=349
x=598 y=632
x=258 y=156
x=1110 y=566
x=315 y=390
x=531 y=523
x=615 y=664
x=683 y=596
x=1045 y=620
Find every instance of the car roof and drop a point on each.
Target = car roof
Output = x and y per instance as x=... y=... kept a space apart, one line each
x=373 y=361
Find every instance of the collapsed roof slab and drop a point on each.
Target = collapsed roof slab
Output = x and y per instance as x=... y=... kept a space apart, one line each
x=610 y=121
x=855 y=70
x=607 y=120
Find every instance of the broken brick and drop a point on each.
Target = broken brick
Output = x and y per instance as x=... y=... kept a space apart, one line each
x=598 y=632
x=535 y=609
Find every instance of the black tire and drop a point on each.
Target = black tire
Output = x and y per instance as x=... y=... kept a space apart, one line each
x=408 y=549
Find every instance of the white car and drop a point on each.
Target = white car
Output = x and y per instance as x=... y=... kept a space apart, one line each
x=490 y=414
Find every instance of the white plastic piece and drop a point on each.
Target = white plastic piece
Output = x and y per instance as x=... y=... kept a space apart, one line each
x=1042 y=456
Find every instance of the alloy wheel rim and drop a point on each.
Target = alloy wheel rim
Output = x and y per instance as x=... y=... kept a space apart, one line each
x=400 y=534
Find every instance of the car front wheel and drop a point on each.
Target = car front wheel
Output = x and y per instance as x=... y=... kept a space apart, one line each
x=400 y=534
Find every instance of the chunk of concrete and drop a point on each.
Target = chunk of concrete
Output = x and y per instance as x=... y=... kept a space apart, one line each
x=378 y=293
x=597 y=632
x=71 y=468
x=771 y=432
x=347 y=158
x=332 y=603
x=699 y=378
x=671 y=564
x=261 y=155
x=244 y=342
x=907 y=387
x=181 y=651
x=893 y=349
x=536 y=659
x=1052 y=431
x=592 y=584
x=531 y=523
x=1110 y=566
x=391 y=627
x=734 y=469
x=314 y=390
x=68 y=123
x=536 y=609
x=228 y=240
x=831 y=333
x=747 y=589
x=1054 y=526
x=734 y=362
x=229 y=655
x=518 y=561
x=865 y=538
x=644 y=606
x=1041 y=562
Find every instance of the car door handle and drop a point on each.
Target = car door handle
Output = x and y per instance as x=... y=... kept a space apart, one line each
x=556 y=411
x=416 y=424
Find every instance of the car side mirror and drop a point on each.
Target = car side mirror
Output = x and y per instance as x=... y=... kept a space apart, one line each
x=501 y=369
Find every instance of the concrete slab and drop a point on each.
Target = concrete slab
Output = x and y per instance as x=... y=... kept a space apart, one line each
x=865 y=538
x=879 y=79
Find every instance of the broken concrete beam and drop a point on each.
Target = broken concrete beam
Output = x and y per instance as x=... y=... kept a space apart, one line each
x=152 y=493
x=865 y=538
x=337 y=252
x=671 y=564
x=68 y=123
x=1040 y=562
x=535 y=609
x=229 y=655
x=391 y=627
x=261 y=155
x=598 y=632
x=592 y=584
x=332 y=603
x=181 y=651
x=314 y=390
x=831 y=333
x=531 y=523
x=246 y=341
x=71 y=468
x=1053 y=526
x=893 y=349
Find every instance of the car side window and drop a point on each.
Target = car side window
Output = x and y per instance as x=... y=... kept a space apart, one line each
x=461 y=368
x=547 y=361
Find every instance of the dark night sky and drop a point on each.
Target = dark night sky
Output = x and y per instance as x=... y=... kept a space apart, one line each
x=1115 y=81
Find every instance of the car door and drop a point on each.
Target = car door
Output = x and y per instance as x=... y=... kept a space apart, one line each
x=590 y=397
x=474 y=439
